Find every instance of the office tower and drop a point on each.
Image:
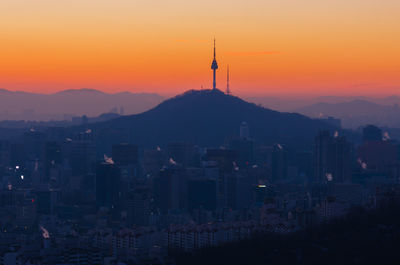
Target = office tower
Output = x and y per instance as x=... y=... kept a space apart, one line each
x=332 y=158
x=181 y=153
x=125 y=154
x=202 y=194
x=244 y=130
x=34 y=144
x=46 y=200
x=380 y=157
x=225 y=158
x=170 y=189
x=153 y=160
x=244 y=146
x=279 y=163
x=52 y=158
x=226 y=163
x=372 y=133
x=139 y=206
x=108 y=185
x=82 y=154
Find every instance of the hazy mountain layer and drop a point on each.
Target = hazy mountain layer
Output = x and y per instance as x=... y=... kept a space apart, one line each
x=65 y=104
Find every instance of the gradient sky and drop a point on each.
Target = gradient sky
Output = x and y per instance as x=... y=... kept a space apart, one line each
x=165 y=46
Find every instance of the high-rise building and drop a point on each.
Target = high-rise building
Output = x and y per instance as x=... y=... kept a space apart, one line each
x=244 y=130
x=202 y=194
x=139 y=206
x=52 y=157
x=153 y=160
x=46 y=201
x=125 y=154
x=226 y=160
x=170 y=189
x=181 y=153
x=107 y=185
x=82 y=154
x=380 y=157
x=372 y=133
x=279 y=163
x=332 y=158
x=244 y=146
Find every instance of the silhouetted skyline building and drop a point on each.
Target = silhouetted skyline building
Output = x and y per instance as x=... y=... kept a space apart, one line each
x=372 y=133
x=108 y=185
x=125 y=154
x=138 y=203
x=170 y=189
x=181 y=153
x=381 y=158
x=202 y=194
x=333 y=156
x=279 y=163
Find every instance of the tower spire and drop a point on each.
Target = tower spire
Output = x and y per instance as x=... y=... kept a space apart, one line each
x=228 y=91
x=214 y=48
x=214 y=67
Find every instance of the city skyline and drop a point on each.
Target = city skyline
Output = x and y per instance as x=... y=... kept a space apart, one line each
x=334 y=47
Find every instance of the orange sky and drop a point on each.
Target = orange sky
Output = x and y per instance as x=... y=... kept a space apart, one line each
x=165 y=46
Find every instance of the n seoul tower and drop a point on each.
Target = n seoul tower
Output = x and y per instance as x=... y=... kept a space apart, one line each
x=214 y=67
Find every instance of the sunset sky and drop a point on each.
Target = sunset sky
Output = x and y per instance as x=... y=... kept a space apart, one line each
x=165 y=46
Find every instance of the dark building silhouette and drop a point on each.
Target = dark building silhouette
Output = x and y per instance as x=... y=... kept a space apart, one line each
x=138 y=202
x=125 y=154
x=82 y=154
x=181 y=153
x=108 y=185
x=153 y=160
x=34 y=144
x=170 y=189
x=333 y=156
x=372 y=133
x=46 y=200
x=52 y=157
x=244 y=146
x=380 y=158
x=244 y=149
x=202 y=194
x=279 y=163
x=239 y=191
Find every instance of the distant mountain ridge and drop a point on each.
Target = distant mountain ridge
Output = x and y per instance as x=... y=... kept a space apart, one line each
x=357 y=112
x=20 y=105
x=206 y=117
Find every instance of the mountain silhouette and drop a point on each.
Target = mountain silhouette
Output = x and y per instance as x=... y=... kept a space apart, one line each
x=19 y=105
x=206 y=118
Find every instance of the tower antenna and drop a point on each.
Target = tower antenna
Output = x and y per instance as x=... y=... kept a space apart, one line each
x=228 y=91
x=214 y=67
